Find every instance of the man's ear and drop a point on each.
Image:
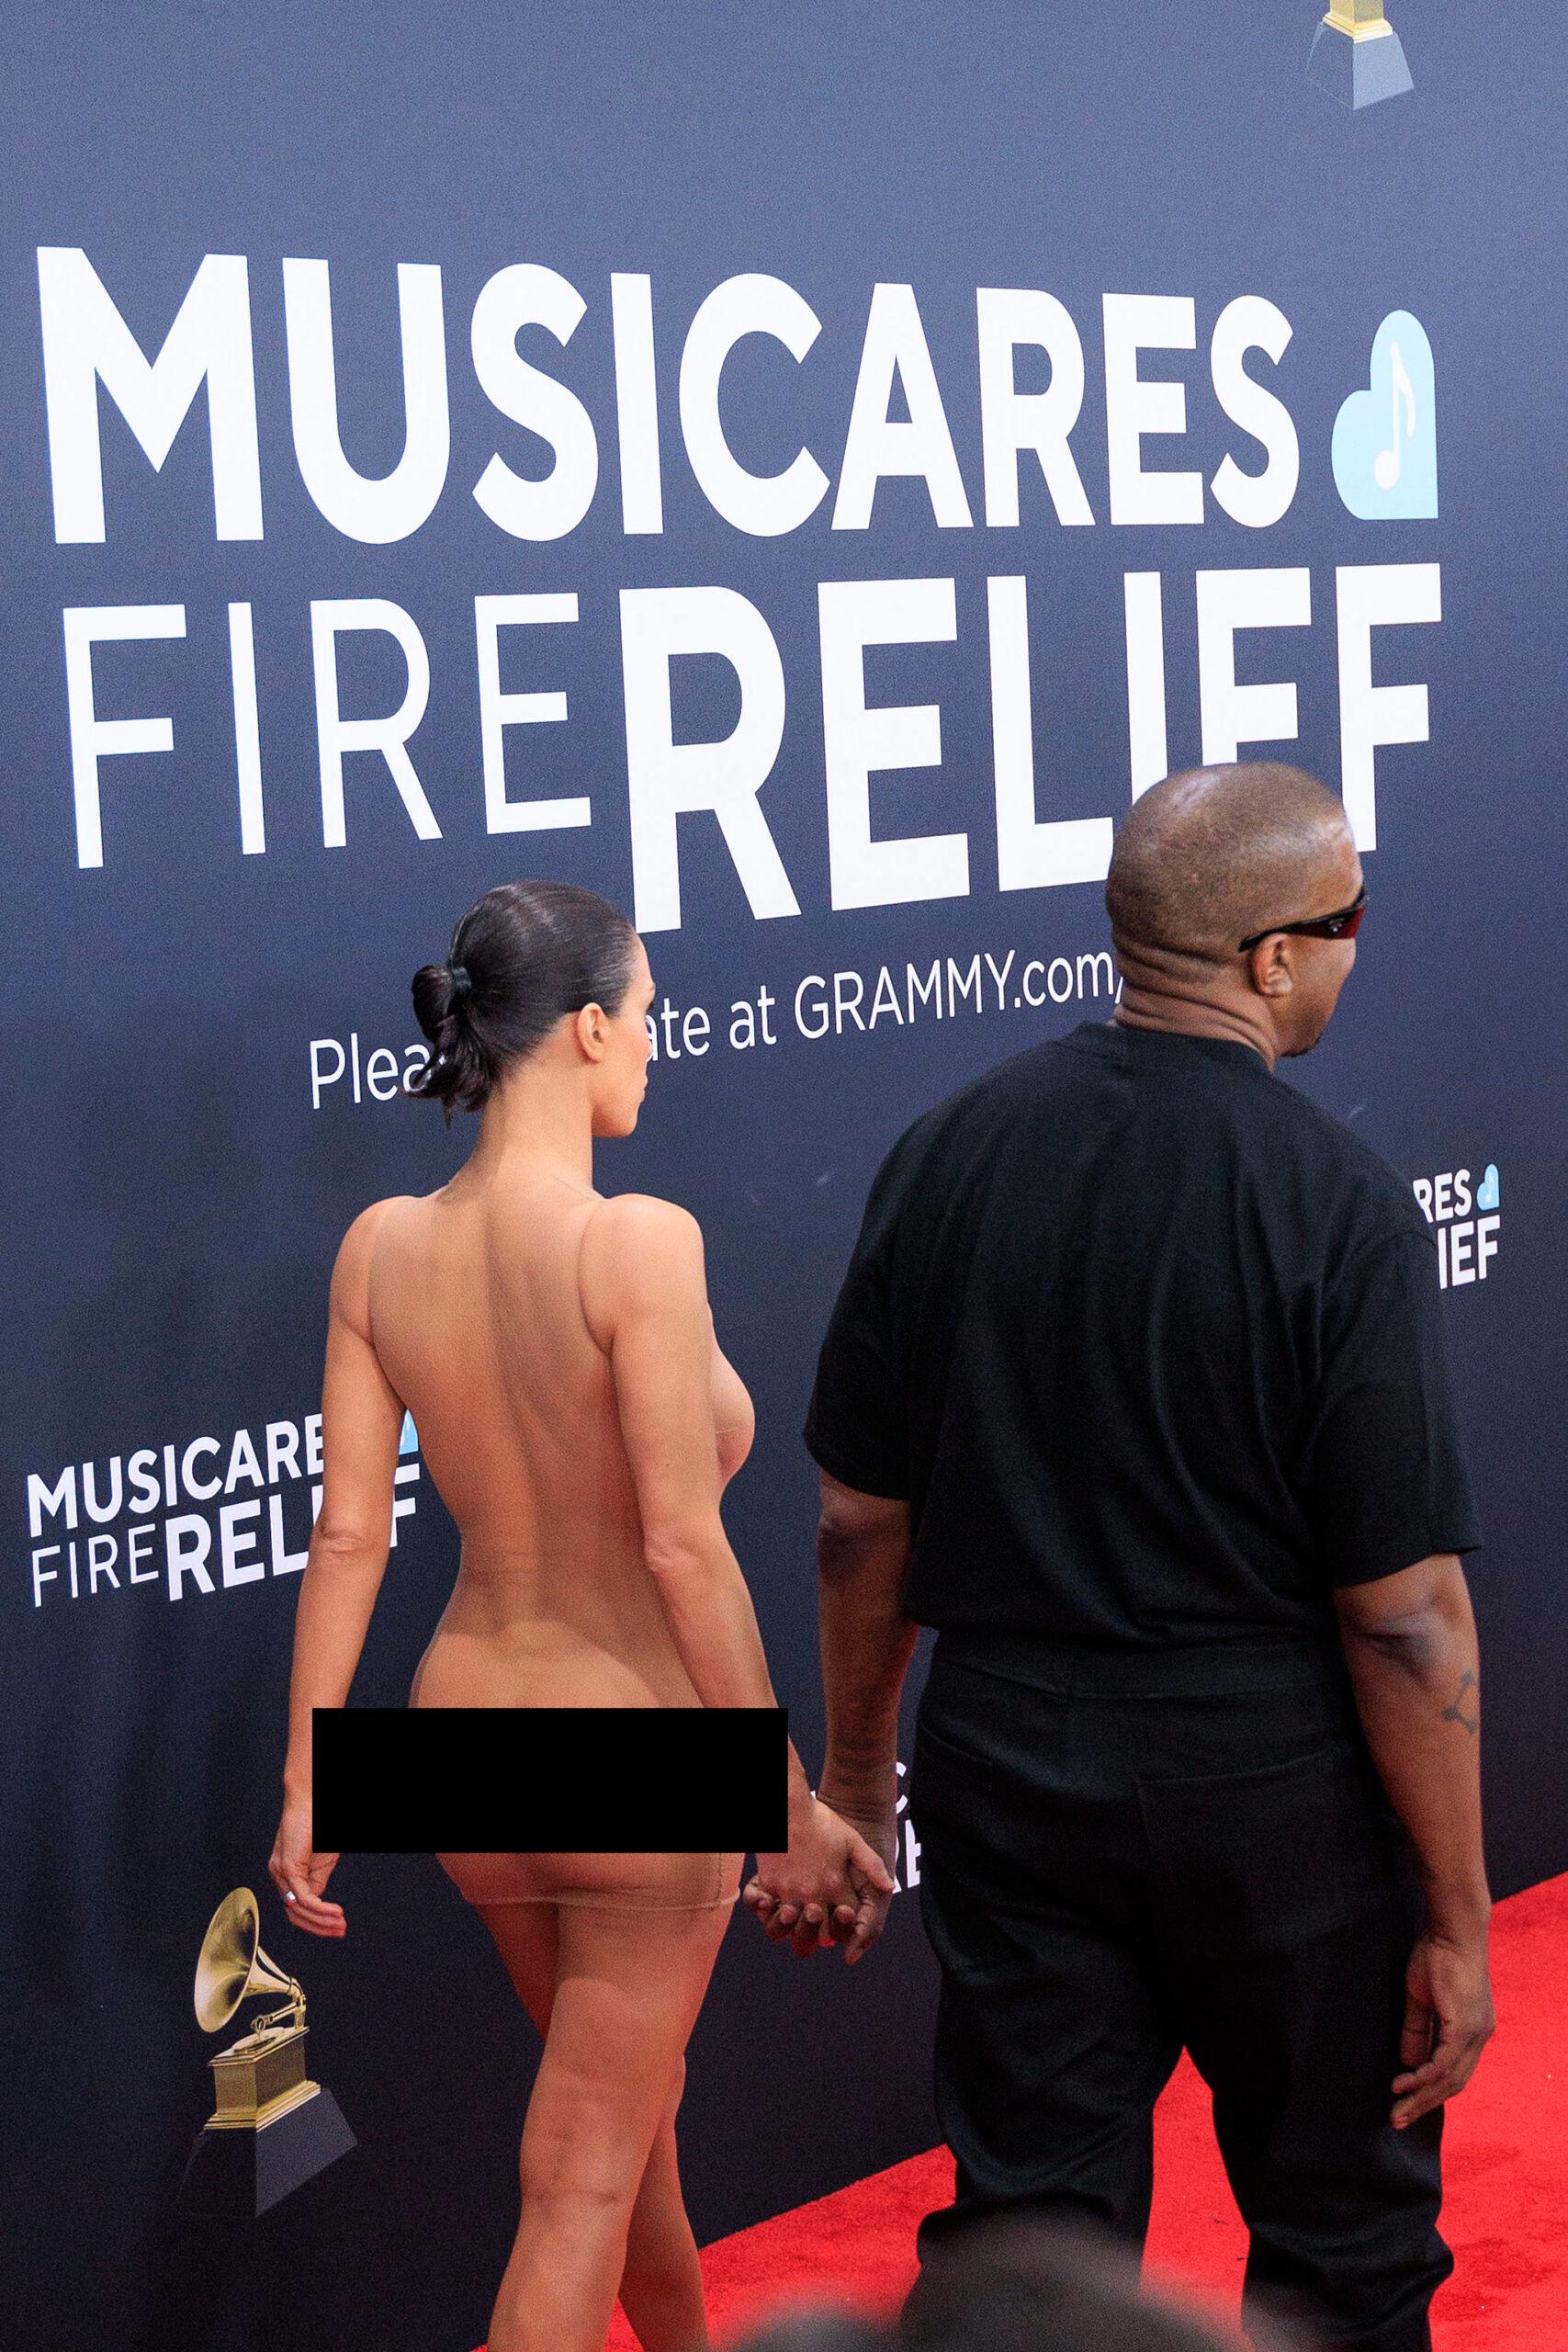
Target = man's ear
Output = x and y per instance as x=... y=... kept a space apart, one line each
x=1271 y=965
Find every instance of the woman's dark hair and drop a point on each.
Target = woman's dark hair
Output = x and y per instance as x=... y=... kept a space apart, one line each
x=527 y=953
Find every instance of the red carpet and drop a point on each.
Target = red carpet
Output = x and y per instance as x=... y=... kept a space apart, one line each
x=1506 y=2216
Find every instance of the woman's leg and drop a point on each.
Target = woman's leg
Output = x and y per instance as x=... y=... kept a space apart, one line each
x=599 y=2189
x=661 y=2283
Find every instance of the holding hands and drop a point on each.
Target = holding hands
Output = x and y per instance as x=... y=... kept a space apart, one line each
x=834 y=1884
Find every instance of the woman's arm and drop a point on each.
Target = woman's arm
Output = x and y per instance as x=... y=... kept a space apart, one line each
x=361 y=1424
x=644 y=1297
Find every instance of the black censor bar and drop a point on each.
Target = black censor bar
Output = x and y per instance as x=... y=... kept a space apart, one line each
x=550 y=1779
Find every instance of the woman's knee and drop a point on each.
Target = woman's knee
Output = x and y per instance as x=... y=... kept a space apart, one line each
x=583 y=2193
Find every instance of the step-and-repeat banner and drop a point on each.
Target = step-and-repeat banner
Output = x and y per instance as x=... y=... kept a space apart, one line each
x=799 y=472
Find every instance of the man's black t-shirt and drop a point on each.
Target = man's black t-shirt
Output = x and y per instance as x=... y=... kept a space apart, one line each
x=1153 y=1348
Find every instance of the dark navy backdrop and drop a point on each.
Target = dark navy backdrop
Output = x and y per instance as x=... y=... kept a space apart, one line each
x=178 y=1197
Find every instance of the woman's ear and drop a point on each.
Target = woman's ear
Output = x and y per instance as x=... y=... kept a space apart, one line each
x=593 y=1032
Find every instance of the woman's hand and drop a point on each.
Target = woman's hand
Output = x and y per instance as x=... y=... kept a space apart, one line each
x=300 y=1873
x=832 y=1886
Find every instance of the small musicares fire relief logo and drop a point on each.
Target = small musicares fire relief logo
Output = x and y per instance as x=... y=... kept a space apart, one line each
x=97 y=1527
x=1468 y=1216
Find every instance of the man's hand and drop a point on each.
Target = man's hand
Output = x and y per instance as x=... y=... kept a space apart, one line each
x=879 y=1827
x=832 y=1886
x=1448 y=2020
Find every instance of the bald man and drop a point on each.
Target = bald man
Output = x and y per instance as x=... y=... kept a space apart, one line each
x=1135 y=1391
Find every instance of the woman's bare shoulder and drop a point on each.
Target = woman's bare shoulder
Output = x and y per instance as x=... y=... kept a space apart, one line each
x=352 y=1271
x=362 y=1232
x=636 y=1249
x=640 y=1220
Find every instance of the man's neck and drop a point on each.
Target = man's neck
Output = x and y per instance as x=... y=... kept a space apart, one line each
x=1191 y=1012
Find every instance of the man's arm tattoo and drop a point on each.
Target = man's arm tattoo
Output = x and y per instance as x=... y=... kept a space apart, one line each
x=1458 y=1714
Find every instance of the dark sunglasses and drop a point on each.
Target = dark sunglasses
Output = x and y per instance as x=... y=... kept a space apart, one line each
x=1344 y=925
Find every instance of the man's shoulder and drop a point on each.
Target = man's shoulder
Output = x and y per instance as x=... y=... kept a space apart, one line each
x=1353 y=1177
x=1039 y=1071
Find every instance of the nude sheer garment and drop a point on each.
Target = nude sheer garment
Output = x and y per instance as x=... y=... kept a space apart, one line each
x=477 y=1322
x=608 y=1882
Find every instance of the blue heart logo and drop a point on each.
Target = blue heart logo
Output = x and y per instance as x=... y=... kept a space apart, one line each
x=1488 y=1193
x=409 y=1442
x=1385 y=439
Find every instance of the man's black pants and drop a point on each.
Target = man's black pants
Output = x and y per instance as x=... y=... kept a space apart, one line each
x=1121 y=1857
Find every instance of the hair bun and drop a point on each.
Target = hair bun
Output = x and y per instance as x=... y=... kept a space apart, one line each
x=543 y=950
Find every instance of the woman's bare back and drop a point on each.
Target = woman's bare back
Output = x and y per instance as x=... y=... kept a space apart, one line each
x=478 y=1321
x=558 y=1354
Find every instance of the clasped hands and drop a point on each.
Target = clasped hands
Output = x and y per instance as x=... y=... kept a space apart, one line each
x=832 y=1886
x=835 y=1883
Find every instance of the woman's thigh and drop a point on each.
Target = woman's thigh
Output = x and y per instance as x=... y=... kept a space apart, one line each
x=628 y=1989
x=527 y=1939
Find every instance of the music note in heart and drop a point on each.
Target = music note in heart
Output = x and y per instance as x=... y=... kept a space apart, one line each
x=1385 y=435
x=1387 y=463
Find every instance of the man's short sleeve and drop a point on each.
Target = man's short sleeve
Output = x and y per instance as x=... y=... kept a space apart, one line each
x=857 y=1428
x=1387 y=1480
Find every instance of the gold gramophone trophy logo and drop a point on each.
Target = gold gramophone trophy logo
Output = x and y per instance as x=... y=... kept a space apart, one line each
x=1357 y=56
x=270 y=2128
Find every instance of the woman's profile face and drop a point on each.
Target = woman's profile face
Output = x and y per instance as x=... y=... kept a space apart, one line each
x=623 y=1073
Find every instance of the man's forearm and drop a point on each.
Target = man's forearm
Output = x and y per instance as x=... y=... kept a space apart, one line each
x=867 y=1642
x=1419 y=1694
